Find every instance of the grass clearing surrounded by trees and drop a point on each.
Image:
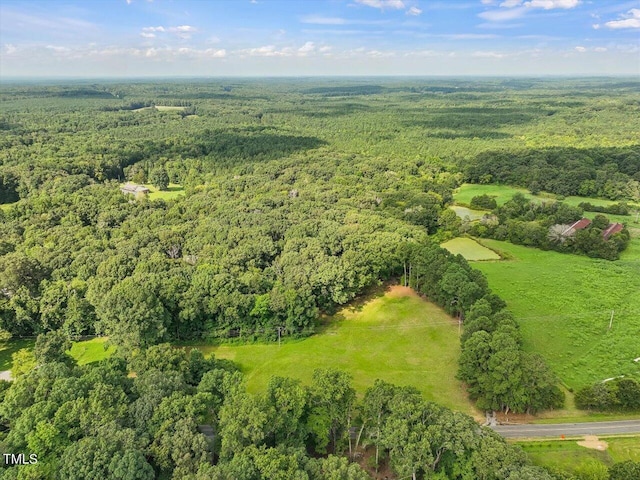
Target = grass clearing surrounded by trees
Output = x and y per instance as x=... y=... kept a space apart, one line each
x=397 y=337
x=504 y=193
x=173 y=191
x=93 y=350
x=563 y=303
x=84 y=351
x=464 y=212
x=470 y=249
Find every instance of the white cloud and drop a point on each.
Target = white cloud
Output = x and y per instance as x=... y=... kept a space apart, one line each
x=511 y=3
x=307 y=48
x=600 y=49
x=631 y=19
x=10 y=49
x=503 y=15
x=483 y=54
x=181 y=31
x=551 y=4
x=382 y=4
x=320 y=20
x=580 y=49
x=414 y=11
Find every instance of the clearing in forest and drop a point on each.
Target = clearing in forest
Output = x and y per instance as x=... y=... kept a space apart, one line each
x=396 y=336
x=470 y=249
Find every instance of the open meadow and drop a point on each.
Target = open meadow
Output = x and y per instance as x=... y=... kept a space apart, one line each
x=564 y=303
x=397 y=337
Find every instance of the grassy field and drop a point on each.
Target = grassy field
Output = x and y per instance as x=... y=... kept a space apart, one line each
x=564 y=303
x=464 y=212
x=397 y=337
x=173 y=191
x=503 y=193
x=470 y=249
x=89 y=351
x=85 y=351
x=567 y=455
x=9 y=348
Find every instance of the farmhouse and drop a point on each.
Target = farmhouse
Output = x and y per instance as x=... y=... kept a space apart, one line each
x=133 y=189
x=611 y=229
x=579 y=225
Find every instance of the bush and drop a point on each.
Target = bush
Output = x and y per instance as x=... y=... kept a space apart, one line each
x=483 y=202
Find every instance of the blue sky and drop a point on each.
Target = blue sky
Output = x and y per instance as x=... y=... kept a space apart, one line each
x=121 y=38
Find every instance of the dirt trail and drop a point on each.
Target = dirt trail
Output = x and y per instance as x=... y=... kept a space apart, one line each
x=592 y=442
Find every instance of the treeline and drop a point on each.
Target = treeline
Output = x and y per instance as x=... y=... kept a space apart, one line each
x=499 y=375
x=614 y=395
x=548 y=226
x=614 y=209
x=596 y=172
x=98 y=421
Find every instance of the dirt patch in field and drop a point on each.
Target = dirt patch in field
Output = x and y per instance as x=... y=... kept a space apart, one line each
x=397 y=291
x=5 y=375
x=592 y=442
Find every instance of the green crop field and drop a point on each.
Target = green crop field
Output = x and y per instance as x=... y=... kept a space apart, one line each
x=564 y=304
x=398 y=337
x=470 y=249
x=567 y=455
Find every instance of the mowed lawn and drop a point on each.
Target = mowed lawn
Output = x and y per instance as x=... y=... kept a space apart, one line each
x=470 y=249
x=397 y=337
x=567 y=455
x=563 y=303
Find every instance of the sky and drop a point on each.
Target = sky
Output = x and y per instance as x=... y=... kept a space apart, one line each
x=137 y=38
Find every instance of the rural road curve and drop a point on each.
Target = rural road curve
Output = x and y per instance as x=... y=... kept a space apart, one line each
x=568 y=429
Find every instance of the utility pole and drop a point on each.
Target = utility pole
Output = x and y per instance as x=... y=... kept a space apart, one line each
x=611 y=320
x=279 y=332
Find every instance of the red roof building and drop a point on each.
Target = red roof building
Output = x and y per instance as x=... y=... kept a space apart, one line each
x=611 y=229
x=579 y=225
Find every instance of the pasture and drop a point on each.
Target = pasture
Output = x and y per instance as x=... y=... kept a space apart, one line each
x=470 y=249
x=398 y=337
x=564 y=302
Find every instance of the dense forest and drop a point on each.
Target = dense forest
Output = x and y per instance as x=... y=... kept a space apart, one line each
x=298 y=196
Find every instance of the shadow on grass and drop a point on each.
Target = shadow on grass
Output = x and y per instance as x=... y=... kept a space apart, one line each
x=10 y=347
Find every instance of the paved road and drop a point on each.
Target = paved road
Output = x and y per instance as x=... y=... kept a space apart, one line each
x=568 y=429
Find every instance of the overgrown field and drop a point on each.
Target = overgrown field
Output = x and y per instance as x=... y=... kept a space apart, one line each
x=398 y=337
x=564 y=302
x=470 y=249
x=568 y=456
